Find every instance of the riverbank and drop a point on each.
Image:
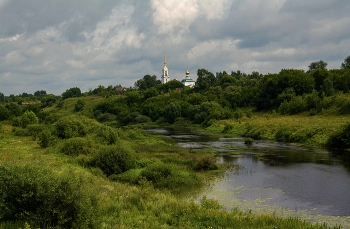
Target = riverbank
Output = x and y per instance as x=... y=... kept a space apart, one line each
x=301 y=129
x=109 y=202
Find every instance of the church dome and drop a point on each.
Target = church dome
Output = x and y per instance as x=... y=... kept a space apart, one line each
x=187 y=72
x=165 y=68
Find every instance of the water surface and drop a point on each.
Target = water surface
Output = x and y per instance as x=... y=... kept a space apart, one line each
x=282 y=179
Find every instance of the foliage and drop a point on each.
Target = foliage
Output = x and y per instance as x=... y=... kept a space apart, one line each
x=206 y=163
x=72 y=92
x=107 y=134
x=346 y=63
x=28 y=118
x=79 y=105
x=77 y=146
x=283 y=134
x=114 y=160
x=4 y=113
x=172 y=111
x=69 y=126
x=34 y=193
x=168 y=177
x=341 y=138
x=48 y=100
x=317 y=65
x=46 y=138
x=147 y=82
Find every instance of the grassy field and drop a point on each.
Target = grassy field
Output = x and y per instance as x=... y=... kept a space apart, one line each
x=159 y=190
x=303 y=128
x=141 y=204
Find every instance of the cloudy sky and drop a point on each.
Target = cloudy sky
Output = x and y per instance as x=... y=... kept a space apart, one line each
x=54 y=45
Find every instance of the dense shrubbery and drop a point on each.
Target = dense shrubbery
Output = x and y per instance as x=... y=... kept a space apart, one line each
x=114 y=160
x=70 y=126
x=76 y=146
x=340 y=139
x=107 y=134
x=169 y=177
x=35 y=194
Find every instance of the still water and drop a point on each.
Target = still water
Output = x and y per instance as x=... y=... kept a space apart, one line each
x=282 y=179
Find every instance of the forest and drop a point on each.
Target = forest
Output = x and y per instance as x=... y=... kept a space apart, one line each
x=83 y=160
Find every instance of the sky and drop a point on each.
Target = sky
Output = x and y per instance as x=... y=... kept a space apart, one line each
x=54 y=45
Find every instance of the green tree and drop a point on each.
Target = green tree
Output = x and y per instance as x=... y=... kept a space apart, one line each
x=4 y=113
x=79 y=105
x=114 y=160
x=72 y=92
x=147 y=81
x=27 y=118
x=205 y=80
x=346 y=63
x=69 y=126
x=317 y=65
x=2 y=97
x=172 y=111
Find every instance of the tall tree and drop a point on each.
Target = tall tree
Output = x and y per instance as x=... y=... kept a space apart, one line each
x=346 y=64
x=317 y=65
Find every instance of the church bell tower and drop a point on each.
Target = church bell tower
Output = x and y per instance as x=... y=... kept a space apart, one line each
x=165 y=75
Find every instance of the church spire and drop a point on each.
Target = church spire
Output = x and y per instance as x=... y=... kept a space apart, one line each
x=164 y=58
x=165 y=76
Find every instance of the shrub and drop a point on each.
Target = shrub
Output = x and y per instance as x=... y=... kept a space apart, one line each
x=345 y=109
x=340 y=139
x=35 y=130
x=79 y=105
x=4 y=113
x=114 y=160
x=107 y=134
x=21 y=132
x=296 y=105
x=206 y=163
x=283 y=134
x=227 y=128
x=76 y=146
x=34 y=193
x=27 y=118
x=170 y=177
x=70 y=126
x=46 y=138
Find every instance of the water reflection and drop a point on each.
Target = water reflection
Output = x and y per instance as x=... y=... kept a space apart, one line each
x=286 y=176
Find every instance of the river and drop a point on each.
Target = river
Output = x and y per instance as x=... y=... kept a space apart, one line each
x=276 y=178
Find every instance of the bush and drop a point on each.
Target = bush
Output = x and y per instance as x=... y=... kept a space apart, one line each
x=170 y=177
x=227 y=128
x=34 y=193
x=21 y=132
x=4 y=113
x=107 y=134
x=340 y=139
x=296 y=105
x=70 y=126
x=114 y=160
x=283 y=134
x=345 y=109
x=46 y=138
x=79 y=105
x=35 y=130
x=76 y=146
x=27 y=118
x=206 y=163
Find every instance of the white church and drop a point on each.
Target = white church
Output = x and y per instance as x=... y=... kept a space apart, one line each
x=165 y=76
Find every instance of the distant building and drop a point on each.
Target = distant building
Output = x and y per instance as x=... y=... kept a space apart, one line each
x=188 y=81
x=165 y=75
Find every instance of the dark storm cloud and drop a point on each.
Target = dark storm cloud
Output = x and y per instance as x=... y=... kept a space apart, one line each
x=29 y=16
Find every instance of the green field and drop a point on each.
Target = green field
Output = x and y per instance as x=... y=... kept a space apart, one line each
x=156 y=189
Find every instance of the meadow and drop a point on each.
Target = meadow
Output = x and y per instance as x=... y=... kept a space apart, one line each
x=89 y=175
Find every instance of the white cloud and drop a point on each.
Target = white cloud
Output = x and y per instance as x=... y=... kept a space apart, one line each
x=174 y=16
